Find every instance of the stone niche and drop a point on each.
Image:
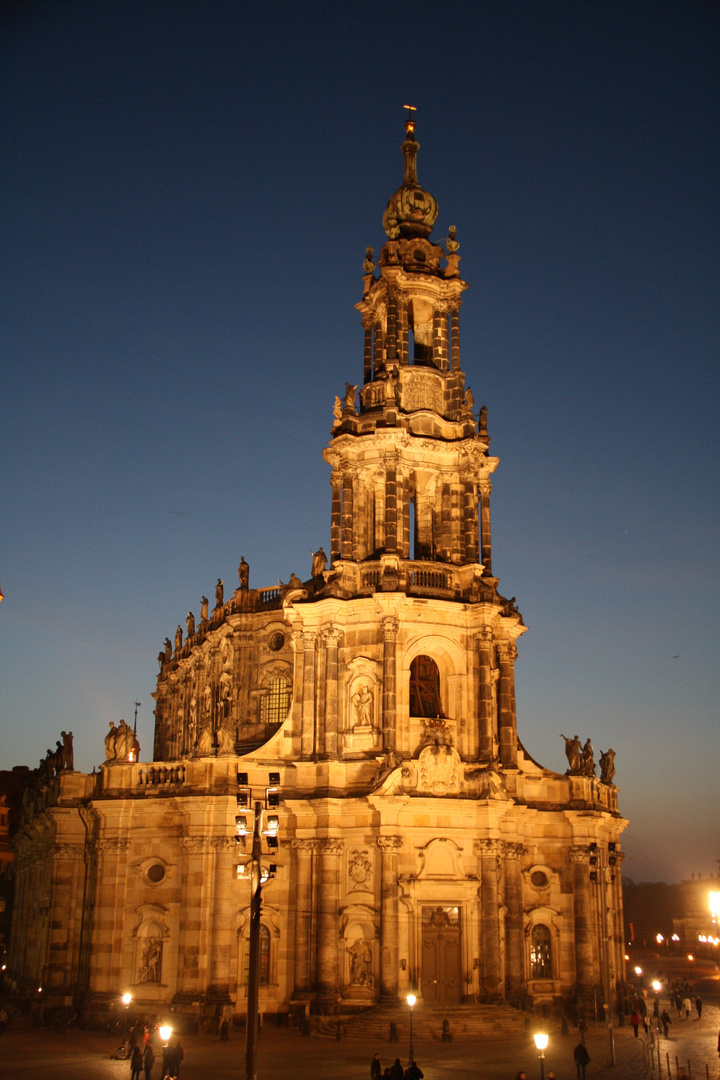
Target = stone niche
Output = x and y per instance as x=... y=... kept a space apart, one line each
x=361 y=707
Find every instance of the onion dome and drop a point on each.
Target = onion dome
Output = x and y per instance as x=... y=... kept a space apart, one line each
x=411 y=211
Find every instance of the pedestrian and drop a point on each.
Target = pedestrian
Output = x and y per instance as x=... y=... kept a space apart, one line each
x=174 y=1058
x=396 y=1071
x=224 y=1030
x=582 y=1027
x=687 y=1007
x=698 y=1006
x=665 y=1021
x=582 y=1060
x=635 y=1021
x=520 y=1075
x=413 y=1071
x=375 y=1068
x=148 y=1061
x=136 y=1063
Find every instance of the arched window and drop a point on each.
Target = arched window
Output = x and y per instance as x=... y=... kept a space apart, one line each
x=276 y=702
x=425 y=688
x=540 y=953
x=264 y=956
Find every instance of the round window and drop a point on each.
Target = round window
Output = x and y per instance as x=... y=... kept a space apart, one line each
x=539 y=879
x=156 y=872
x=276 y=641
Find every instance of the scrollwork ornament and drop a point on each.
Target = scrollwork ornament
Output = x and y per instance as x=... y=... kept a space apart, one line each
x=389 y=844
x=204 y=845
x=390 y=627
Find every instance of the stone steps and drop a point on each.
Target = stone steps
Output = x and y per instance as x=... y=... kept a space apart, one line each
x=468 y=1023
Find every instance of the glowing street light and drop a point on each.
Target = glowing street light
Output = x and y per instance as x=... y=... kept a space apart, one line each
x=411 y=999
x=638 y=971
x=165 y=1031
x=126 y=999
x=541 y=1041
x=657 y=986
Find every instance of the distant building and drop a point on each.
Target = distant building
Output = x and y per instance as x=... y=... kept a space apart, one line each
x=420 y=846
x=699 y=927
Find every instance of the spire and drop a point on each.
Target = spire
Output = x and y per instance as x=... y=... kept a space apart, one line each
x=411 y=211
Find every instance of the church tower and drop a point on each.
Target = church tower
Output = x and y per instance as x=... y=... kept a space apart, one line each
x=419 y=847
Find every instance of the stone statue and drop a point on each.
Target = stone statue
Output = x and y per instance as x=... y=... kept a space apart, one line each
x=607 y=766
x=588 y=759
x=244 y=573
x=205 y=740
x=451 y=244
x=392 y=230
x=293 y=583
x=573 y=752
x=226 y=739
x=168 y=649
x=219 y=593
x=482 y=423
x=124 y=742
x=368 y=264
x=319 y=562
x=360 y=961
x=469 y=400
x=66 y=753
x=204 y=609
x=337 y=409
x=151 y=963
x=190 y=623
x=363 y=702
x=110 y=738
x=207 y=699
x=350 y=392
x=387 y=764
x=178 y=639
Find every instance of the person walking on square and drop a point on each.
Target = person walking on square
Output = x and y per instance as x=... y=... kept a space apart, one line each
x=375 y=1068
x=665 y=1020
x=582 y=1060
x=148 y=1061
x=698 y=1006
x=582 y=1027
x=396 y=1070
x=635 y=1021
x=687 y=1007
x=136 y=1063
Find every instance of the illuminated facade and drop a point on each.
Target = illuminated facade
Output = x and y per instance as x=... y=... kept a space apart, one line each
x=420 y=847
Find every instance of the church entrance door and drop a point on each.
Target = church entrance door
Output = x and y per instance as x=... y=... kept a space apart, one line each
x=441 y=956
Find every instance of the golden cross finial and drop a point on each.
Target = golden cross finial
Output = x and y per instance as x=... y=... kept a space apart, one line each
x=410 y=109
x=410 y=123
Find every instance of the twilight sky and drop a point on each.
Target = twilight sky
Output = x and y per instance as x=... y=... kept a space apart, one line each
x=187 y=193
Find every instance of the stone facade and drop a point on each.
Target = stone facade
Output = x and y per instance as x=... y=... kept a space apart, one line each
x=421 y=847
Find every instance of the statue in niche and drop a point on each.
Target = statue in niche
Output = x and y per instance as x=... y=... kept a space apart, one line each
x=151 y=962
x=363 y=702
x=224 y=696
x=607 y=766
x=205 y=740
x=193 y=712
x=319 y=562
x=219 y=593
x=190 y=623
x=204 y=602
x=360 y=962
x=573 y=753
x=337 y=409
x=226 y=739
x=207 y=699
x=244 y=573
x=360 y=870
x=350 y=392
x=588 y=759
x=178 y=639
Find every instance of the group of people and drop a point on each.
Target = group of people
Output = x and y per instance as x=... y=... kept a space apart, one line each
x=142 y=1057
x=394 y=1071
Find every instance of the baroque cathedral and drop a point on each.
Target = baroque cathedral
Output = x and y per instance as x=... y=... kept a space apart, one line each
x=418 y=845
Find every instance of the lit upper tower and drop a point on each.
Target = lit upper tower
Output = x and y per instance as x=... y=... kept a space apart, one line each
x=411 y=471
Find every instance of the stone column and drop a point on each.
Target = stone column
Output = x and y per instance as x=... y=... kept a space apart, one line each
x=389 y=929
x=347 y=516
x=331 y=640
x=455 y=339
x=514 y=939
x=222 y=860
x=582 y=908
x=507 y=654
x=320 y=696
x=488 y=852
x=485 y=536
x=241 y=676
x=392 y=326
x=307 y=734
x=389 y=712
x=391 y=507
x=304 y=917
x=470 y=517
x=484 y=640
x=378 y=361
x=336 y=517
x=328 y=930
x=367 y=351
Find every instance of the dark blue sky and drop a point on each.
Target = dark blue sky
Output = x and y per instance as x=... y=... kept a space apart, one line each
x=187 y=193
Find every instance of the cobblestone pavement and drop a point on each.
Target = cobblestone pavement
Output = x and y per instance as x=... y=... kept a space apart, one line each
x=282 y=1053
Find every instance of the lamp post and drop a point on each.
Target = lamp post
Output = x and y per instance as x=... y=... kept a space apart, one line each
x=411 y=999
x=126 y=999
x=541 y=1041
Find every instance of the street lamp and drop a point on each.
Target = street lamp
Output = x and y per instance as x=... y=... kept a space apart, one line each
x=541 y=1041
x=411 y=999
x=126 y=999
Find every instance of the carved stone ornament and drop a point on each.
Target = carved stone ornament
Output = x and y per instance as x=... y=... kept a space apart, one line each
x=360 y=870
x=116 y=846
x=201 y=845
x=490 y=783
x=439 y=770
x=309 y=845
x=390 y=843
x=331 y=845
